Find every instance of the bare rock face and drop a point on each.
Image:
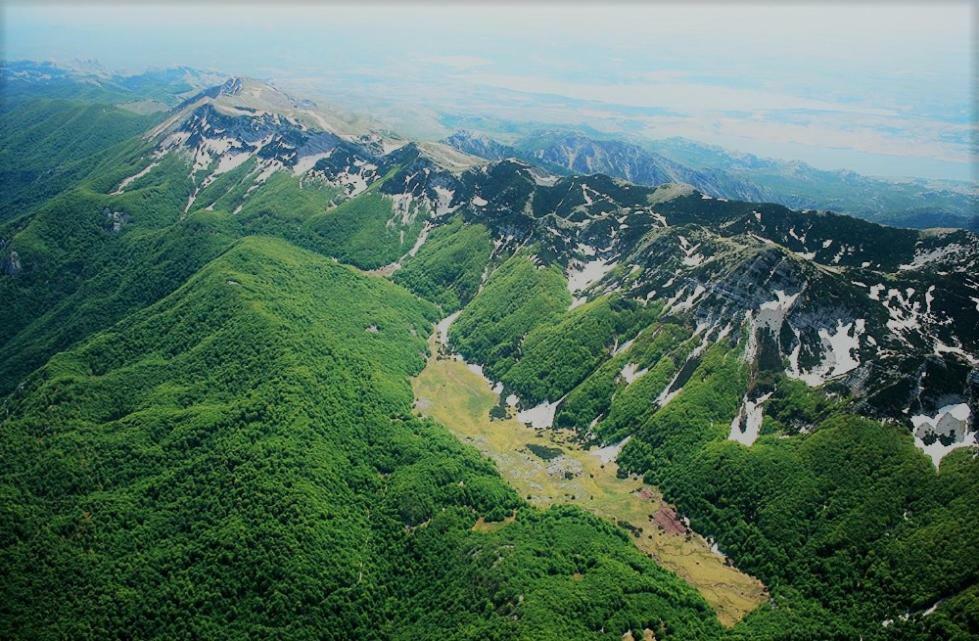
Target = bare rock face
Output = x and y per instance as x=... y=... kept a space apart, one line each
x=115 y=220
x=647 y=635
x=11 y=264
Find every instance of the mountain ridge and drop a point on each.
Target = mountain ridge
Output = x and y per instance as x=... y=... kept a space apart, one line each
x=723 y=174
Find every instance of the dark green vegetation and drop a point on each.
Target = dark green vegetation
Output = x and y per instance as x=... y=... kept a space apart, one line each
x=846 y=523
x=555 y=358
x=448 y=268
x=358 y=232
x=841 y=524
x=841 y=516
x=47 y=145
x=518 y=297
x=79 y=274
x=544 y=452
x=605 y=394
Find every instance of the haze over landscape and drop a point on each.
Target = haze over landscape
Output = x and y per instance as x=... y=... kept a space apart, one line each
x=503 y=322
x=880 y=89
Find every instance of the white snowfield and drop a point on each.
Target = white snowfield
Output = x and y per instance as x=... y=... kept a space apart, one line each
x=609 y=453
x=770 y=316
x=838 y=355
x=583 y=275
x=924 y=258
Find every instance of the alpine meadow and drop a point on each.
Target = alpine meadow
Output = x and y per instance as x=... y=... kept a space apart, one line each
x=435 y=322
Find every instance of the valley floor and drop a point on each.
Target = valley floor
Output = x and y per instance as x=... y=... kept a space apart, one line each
x=547 y=468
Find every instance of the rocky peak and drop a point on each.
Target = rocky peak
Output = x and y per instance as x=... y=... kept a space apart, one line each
x=231 y=87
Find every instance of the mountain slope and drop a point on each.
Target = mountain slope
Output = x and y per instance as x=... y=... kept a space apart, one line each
x=48 y=145
x=219 y=440
x=737 y=370
x=828 y=294
x=239 y=460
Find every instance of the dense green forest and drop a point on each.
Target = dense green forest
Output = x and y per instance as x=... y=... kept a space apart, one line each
x=240 y=460
x=518 y=297
x=48 y=145
x=449 y=267
x=230 y=453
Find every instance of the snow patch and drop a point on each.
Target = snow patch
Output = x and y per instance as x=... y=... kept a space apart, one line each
x=631 y=372
x=665 y=396
x=747 y=424
x=588 y=273
x=609 y=453
x=128 y=181
x=691 y=258
x=227 y=162
x=443 y=327
x=624 y=346
x=305 y=163
x=540 y=416
x=942 y=348
x=929 y=299
x=837 y=357
x=950 y=423
x=443 y=200
x=924 y=258
x=422 y=237
x=688 y=302
x=903 y=311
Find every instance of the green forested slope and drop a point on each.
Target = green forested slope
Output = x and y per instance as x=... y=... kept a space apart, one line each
x=518 y=297
x=47 y=145
x=448 y=268
x=240 y=461
x=79 y=274
x=844 y=520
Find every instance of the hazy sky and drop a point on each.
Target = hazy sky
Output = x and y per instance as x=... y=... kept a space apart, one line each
x=880 y=88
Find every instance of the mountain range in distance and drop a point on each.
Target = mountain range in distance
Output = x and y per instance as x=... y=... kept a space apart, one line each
x=910 y=202
x=917 y=203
